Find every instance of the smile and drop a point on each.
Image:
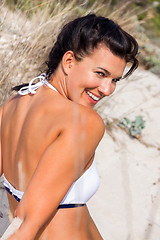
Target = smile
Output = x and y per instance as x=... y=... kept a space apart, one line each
x=95 y=98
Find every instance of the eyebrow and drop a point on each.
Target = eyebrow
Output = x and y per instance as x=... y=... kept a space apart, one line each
x=107 y=72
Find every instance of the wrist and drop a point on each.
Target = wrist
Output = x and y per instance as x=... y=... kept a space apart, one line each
x=26 y=231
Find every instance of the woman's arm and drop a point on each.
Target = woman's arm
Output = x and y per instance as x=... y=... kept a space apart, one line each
x=62 y=162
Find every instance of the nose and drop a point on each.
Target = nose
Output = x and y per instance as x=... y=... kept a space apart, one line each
x=107 y=87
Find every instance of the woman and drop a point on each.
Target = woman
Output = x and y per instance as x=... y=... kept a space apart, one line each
x=49 y=131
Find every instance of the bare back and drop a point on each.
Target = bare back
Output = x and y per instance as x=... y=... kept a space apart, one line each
x=29 y=125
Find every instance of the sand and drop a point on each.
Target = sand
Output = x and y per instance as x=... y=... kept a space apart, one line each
x=126 y=206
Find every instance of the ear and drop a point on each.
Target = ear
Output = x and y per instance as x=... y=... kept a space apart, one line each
x=68 y=61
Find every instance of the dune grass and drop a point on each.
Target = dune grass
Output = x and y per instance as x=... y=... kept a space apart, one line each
x=29 y=28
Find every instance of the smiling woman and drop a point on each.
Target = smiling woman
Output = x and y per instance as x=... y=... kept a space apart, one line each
x=57 y=131
x=100 y=69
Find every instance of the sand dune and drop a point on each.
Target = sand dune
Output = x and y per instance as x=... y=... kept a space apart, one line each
x=126 y=206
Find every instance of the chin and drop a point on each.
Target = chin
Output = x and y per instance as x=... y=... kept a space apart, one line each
x=87 y=105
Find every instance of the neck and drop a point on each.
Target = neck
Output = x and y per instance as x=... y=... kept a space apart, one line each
x=58 y=80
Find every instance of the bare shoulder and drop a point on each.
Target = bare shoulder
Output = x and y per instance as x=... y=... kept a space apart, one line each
x=11 y=99
x=93 y=121
x=79 y=125
x=70 y=115
x=86 y=123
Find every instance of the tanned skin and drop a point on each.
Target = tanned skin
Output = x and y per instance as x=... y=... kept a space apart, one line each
x=42 y=145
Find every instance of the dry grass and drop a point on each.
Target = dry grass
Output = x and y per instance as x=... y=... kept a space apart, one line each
x=25 y=42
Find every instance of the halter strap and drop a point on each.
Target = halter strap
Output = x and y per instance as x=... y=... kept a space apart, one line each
x=32 y=87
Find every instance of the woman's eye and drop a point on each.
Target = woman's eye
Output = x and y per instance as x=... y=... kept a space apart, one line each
x=101 y=74
x=116 y=80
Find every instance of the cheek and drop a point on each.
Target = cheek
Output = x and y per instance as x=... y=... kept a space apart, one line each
x=113 y=88
x=90 y=81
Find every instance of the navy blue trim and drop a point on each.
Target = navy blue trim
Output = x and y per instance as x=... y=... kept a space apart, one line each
x=70 y=205
x=17 y=198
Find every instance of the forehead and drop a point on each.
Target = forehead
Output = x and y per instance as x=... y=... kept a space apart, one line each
x=103 y=57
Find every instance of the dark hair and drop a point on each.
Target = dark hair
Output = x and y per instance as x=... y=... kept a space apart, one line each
x=83 y=35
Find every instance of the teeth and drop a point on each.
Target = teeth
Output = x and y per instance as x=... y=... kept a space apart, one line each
x=92 y=96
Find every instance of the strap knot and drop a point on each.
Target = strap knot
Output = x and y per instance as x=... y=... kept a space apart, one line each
x=32 y=87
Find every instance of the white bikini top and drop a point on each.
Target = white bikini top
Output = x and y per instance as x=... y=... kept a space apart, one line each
x=31 y=88
x=80 y=191
x=83 y=188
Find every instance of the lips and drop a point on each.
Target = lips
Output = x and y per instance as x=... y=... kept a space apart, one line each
x=92 y=96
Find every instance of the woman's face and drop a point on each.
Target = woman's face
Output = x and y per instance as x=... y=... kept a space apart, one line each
x=94 y=77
